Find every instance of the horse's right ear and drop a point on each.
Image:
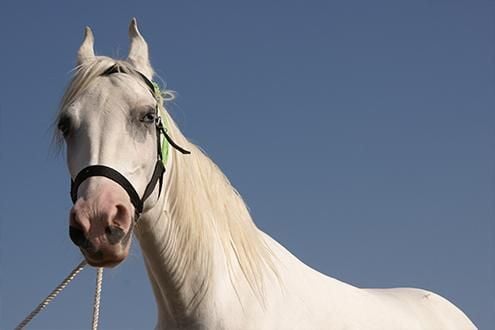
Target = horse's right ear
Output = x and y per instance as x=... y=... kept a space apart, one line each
x=86 y=51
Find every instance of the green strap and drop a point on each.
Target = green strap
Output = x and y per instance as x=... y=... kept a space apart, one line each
x=165 y=147
x=164 y=150
x=156 y=89
x=163 y=140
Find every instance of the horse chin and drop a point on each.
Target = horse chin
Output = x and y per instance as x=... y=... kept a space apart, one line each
x=106 y=258
x=105 y=263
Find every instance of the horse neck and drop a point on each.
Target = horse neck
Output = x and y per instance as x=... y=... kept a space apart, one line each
x=200 y=240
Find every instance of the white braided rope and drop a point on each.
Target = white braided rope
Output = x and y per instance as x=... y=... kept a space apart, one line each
x=63 y=285
x=96 y=304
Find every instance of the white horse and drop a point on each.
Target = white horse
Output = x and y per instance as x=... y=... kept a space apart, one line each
x=210 y=267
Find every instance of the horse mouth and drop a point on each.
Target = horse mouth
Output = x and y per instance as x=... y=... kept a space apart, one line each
x=109 y=254
x=108 y=251
x=103 y=263
x=100 y=259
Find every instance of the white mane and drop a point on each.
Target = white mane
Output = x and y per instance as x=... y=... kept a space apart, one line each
x=209 y=208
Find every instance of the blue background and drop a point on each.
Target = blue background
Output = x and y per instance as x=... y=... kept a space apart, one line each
x=360 y=133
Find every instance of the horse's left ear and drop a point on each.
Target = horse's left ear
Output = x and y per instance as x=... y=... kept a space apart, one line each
x=138 y=52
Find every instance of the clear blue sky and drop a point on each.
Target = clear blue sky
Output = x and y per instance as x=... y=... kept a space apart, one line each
x=360 y=133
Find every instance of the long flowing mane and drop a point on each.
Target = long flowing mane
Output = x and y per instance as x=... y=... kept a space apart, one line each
x=204 y=206
x=209 y=208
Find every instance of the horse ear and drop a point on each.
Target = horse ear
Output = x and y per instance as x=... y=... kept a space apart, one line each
x=86 y=51
x=138 y=52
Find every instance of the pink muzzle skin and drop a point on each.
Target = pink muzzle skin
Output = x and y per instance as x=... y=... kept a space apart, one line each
x=101 y=224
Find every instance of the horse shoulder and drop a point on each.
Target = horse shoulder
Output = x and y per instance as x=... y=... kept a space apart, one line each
x=303 y=298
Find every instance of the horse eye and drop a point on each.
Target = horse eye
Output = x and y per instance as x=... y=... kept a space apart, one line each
x=150 y=117
x=64 y=126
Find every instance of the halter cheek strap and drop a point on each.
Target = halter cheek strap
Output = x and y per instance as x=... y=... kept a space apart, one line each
x=114 y=175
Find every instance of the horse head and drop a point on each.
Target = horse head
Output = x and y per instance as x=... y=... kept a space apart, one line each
x=110 y=122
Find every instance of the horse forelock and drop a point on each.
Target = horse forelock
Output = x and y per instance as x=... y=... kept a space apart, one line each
x=86 y=73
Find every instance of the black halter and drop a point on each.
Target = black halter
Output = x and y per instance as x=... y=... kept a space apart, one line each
x=110 y=173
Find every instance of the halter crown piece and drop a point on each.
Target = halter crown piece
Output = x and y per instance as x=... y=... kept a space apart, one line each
x=161 y=155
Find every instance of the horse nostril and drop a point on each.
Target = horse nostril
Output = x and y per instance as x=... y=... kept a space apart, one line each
x=114 y=234
x=77 y=236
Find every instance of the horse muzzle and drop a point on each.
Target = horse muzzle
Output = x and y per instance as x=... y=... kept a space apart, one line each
x=107 y=252
x=101 y=223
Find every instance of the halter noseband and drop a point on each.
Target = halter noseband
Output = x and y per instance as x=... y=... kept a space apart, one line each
x=114 y=175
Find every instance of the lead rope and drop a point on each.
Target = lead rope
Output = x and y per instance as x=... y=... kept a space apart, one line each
x=62 y=286
x=96 y=304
